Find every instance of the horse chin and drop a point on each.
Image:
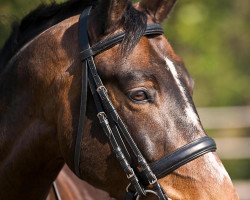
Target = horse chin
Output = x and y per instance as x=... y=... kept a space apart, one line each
x=204 y=178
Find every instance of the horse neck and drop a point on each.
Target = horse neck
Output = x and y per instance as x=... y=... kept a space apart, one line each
x=30 y=164
x=29 y=152
x=30 y=156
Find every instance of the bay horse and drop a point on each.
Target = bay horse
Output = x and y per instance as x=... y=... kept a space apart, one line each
x=135 y=100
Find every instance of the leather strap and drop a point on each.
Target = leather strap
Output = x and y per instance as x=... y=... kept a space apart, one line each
x=113 y=116
x=183 y=155
x=152 y=29
x=83 y=35
x=56 y=191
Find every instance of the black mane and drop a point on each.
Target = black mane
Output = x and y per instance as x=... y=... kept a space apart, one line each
x=45 y=16
x=40 y=19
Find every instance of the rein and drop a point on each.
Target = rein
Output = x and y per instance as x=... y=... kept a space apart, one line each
x=143 y=176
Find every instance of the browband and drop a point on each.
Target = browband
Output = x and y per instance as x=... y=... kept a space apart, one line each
x=152 y=29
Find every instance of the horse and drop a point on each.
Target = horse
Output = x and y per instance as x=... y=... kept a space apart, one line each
x=93 y=91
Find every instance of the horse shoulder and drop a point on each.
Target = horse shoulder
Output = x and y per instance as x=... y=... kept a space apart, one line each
x=71 y=187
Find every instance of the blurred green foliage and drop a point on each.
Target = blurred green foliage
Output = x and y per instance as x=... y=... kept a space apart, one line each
x=238 y=169
x=12 y=11
x=213 y=38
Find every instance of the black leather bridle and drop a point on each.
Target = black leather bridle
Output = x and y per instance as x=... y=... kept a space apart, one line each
x=142 y=174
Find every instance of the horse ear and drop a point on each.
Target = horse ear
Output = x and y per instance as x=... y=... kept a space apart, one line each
x=108 y=16
x=158 y=9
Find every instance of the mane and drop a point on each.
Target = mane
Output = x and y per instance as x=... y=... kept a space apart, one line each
x=37 y=21
x=45 y=16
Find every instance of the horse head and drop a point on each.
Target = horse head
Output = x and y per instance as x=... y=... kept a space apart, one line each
x=151 y=90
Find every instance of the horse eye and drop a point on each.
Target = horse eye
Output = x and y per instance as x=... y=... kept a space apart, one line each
x=138 y=96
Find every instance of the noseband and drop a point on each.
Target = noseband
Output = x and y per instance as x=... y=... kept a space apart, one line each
x=143 y=176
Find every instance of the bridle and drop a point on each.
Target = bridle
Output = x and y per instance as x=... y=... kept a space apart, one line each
x=143 y=176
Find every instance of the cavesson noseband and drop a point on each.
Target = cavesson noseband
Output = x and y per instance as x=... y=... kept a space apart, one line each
x=141 y=174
